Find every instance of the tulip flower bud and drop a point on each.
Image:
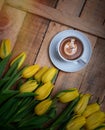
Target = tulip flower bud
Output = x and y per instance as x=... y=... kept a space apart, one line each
x=5 y=48
x=95 y=120
x=19 y=59
x=92 y=108
x=30 y=71
x=43 y=107
x=76 y=123
x=43 y=91
x=49 y=75
x=39 y=74
x=29 y=86
x=69 y=95
x=82 y=104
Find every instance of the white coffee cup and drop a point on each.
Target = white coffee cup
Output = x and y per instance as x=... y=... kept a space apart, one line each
x=81 y=59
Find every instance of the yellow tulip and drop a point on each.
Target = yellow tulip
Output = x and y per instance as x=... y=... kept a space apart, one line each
x=19 y=59
x=43 y=107
x=5 y=48
x=91 y=109
x=95 y=120
x=76 y=123
x=82 y=104
x=68 y=96
x=43 y=91
x=49 y=75
x=39 y=74
x=30 y=71
x=29 y=86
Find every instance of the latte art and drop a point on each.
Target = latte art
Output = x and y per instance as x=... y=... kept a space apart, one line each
x=71 y=48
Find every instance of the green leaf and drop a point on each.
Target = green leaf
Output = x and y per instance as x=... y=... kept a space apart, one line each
x=5 y=95
x=11 y=111
x=55 y=77
x=3 y=81
x=24 y=111
x=7 y=127
x=36 y=121
x=65 y=115
x=12 y=70
x=25 y=101
x=12 y=80
x=52 y=113
x=3 y=64
x=4 y=109
x=26 y=94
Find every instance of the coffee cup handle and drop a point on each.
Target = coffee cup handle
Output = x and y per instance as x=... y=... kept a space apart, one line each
x=82 y=61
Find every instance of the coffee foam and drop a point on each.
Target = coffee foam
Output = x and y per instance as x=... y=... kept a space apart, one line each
x=71 y=48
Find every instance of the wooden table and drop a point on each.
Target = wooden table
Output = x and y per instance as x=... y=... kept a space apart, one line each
x=31 y=24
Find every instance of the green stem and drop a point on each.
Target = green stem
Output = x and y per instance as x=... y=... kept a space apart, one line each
x=5 y=95
x=3 y=64
x=65 y=115
x=12 y=80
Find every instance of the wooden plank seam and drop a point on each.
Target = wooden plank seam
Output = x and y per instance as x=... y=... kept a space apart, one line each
x=57 y=16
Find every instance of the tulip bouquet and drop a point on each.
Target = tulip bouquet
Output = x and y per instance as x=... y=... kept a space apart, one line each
x=79 y=114
x=26 y=102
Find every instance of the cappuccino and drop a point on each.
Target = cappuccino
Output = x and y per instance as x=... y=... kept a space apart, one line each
x=71 y=48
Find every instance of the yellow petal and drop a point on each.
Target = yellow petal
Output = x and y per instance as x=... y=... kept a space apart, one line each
x=44 y=91
x=43 y=107
x=68 y=96
x=76 y=123
x=21 y=58
x=82 y=104
x=29 y=86
x=30 y=71
x=39 y=74
x=49 y=75
x=92 y=108
x=5 y=48
x=95 y=120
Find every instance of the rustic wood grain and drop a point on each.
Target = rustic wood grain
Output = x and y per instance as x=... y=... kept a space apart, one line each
x=43 y=56
x=88 y=13
x=94 y=81
x=76 y=79
x=57 y=16
x=32 y=34
x=11 y=23
x=72 y=79
x=103 y=105
x=31 y=37
x=1 y=3
x=94 y=11
x=64 y=5
x=51 y=3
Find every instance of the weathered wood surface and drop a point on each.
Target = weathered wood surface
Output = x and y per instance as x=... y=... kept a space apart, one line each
x=13 y=20
x=32 y=34
x=1 y=3
x=57 y=16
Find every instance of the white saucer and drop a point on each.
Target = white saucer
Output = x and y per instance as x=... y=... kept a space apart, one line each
x=64 y=65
